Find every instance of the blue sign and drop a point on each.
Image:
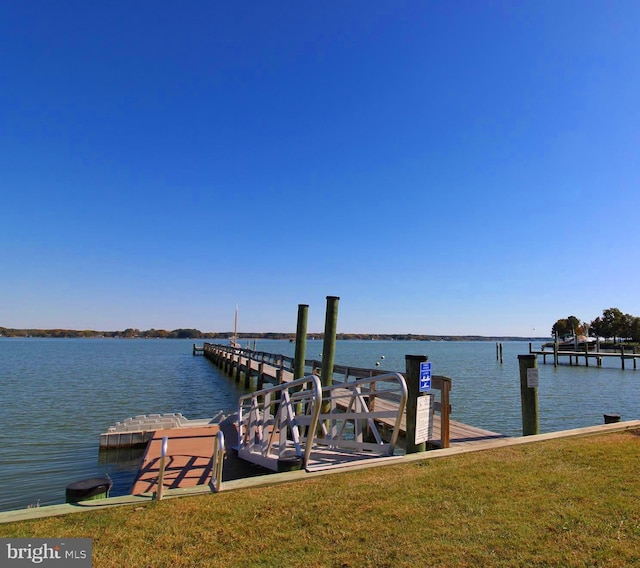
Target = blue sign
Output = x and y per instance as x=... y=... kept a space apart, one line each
x=425 y=377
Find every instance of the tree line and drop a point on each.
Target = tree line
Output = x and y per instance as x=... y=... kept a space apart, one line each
x=189 y=333
x=126 y=333
x=612 y=324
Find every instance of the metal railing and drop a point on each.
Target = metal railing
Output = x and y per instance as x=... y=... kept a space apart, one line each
x=217 y=461
x=274 y=423
x=163 y=459
x=355 y=414
x=272 y=367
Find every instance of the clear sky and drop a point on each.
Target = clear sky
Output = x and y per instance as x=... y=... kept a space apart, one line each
x=467 y=167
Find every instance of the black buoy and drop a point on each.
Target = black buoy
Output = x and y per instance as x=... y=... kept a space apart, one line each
x=289 y=461
x=89 y=489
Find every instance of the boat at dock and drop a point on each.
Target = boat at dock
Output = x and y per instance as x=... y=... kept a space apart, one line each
x=574 y=343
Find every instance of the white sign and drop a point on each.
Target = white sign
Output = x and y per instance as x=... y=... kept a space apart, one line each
x=424 y=418
x=532 y=378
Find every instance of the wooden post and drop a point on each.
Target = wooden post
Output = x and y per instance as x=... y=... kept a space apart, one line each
x=586 y=354
x=500 y=352
x=301 y=341
x=236 y=369
x=497 y=358
x=412 y=378
x=260 y=383
x=445 y=411
x=247 y=374
x=329 y=348
x=555 y=350
x=529 y=394
x=622 y=356
x=329 y=345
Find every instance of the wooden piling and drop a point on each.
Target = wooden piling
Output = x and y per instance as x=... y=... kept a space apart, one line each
x=247 y=372
x=301 y=341
x=260 y=382
x=329 y=347
x=529 y=394
x=329 y=344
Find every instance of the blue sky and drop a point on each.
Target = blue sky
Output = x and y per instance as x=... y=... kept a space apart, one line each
x=444 y=167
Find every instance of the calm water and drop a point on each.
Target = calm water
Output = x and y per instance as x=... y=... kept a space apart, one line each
x=59 y=395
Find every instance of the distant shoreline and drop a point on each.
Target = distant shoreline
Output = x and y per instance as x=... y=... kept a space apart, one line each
x=197 y=334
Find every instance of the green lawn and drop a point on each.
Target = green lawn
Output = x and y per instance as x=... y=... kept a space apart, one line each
x=568 y=502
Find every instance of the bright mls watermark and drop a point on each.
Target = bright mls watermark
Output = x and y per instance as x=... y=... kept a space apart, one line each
x=61 y=552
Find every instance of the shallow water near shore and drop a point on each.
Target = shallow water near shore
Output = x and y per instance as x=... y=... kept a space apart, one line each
x=59 y=395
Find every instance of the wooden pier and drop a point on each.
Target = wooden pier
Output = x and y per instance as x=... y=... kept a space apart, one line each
x=259 y=368
x=576 y=355
x=189 y=460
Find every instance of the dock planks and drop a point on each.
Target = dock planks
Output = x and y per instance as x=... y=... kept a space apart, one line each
x=188 y=461
x=459 y=433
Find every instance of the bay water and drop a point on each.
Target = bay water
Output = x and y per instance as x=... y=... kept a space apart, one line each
x=59 y=395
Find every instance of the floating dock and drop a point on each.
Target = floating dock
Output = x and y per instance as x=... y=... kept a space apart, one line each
x=188 y=460
x=139 y=430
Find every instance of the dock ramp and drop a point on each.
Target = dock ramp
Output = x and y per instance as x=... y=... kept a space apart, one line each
x=300 y=424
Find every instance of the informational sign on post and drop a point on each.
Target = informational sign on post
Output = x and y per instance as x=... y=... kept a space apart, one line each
x=425 y=377
x=532 y=378
x=424 y=418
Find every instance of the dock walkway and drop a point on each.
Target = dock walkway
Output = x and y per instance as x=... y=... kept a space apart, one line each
x=268 y=368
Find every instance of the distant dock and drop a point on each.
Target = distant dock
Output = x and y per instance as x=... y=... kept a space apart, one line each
x=585 y=355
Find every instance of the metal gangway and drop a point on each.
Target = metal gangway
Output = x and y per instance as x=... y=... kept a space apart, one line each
x=300 y=424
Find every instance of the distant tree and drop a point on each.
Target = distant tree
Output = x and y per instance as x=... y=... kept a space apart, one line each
x=613 y=323
x=185 y=333
x=626 y=326
x=635 y=329
x=596 y=328
x=566 y=326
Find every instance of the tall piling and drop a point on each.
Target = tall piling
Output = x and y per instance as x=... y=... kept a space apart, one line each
x=301 y=341
x=529 y=394
x=329 y=346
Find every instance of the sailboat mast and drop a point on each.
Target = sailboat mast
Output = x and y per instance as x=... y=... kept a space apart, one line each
x=235 y=328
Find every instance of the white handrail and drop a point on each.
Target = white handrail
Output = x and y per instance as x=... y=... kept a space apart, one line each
x=276 y=421
x=360 y=403
x=163 y=457
x=217 y=460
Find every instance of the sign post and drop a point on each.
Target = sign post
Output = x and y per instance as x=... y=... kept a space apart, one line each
x=417 y=378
